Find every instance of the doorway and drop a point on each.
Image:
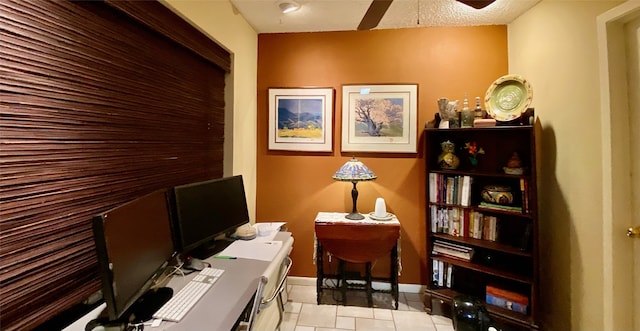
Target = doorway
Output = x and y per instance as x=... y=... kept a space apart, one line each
x=618 y=41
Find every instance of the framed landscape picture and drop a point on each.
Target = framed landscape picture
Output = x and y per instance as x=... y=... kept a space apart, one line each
x=301 y=119
x=379 y=118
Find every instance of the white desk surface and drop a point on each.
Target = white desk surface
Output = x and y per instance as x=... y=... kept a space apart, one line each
x=222 y=305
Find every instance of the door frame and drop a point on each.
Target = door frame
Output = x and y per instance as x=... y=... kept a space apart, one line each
x=618 y=301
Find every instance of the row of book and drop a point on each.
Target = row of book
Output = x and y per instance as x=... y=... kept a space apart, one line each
x=455 y=190
x=449 y=249
x=442 y=274
x=507 y=299
x=461 y=222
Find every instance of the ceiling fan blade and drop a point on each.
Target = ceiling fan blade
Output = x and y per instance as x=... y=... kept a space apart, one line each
x=477 y=4
x=374 y=14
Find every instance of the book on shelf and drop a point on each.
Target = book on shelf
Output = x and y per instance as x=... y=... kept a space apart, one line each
x=452 y=250
x=448 y=189
x=476 y=224
x=433 y=179
x=505 y=303
x=490 y=228
x=442 y=274
x=508 y=295
x=465 y=198
x=450 y=220
x=495 y=206
x=525 y=195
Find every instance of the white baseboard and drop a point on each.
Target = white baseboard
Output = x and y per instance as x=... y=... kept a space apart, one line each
x=311 y=281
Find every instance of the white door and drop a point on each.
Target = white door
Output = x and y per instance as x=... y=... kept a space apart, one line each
x=632 y=34
x=619 y=40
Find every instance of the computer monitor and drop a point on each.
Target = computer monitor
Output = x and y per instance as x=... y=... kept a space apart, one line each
x=204 y=211
x=134 y=244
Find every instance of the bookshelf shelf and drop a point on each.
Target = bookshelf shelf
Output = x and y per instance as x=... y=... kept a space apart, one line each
x=504 y=242
x=447 y=295
x=484 y=244
x=484 y=269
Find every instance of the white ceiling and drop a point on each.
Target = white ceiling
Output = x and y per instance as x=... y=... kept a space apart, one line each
x=345 y=15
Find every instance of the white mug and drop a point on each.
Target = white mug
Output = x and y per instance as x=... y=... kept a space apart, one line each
x=381 y=208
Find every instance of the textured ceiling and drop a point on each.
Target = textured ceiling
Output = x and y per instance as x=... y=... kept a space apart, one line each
x=345 y=15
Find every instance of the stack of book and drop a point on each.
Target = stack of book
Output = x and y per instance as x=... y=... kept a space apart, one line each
x=496 y=206
x=442 y=274
x=452 y=250
x=507 y=299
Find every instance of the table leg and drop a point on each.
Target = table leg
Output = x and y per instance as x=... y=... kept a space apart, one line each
x=394 y=274
x=342 y=281
x=368 y=285
x=319 y=272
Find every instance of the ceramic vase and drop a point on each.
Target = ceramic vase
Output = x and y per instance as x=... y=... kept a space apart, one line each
x=448 y=159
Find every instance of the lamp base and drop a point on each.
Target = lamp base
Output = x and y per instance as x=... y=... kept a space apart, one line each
x=354 y=216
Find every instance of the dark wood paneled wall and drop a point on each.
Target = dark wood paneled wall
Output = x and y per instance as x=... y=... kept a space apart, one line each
x=100 y=103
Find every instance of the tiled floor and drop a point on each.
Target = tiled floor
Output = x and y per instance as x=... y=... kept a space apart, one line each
x=302 y=313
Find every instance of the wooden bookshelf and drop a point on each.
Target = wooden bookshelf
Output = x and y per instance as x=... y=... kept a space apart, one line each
x=508 y=261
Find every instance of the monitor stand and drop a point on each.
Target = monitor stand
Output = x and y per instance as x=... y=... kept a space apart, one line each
x=143 y=309
x=213 y=247
x=193 y=263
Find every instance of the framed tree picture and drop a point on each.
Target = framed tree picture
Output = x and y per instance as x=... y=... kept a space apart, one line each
x=379 y=118
x=301 y=119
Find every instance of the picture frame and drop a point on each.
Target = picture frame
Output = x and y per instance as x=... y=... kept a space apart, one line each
x=380 y=118
x=301 y=119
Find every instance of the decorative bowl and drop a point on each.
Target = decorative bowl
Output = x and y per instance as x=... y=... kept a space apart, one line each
x=497 y=194
x=513 y=171
x=508 y=97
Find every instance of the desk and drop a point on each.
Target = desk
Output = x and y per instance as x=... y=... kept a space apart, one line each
x=361 y=241
x=222 y=305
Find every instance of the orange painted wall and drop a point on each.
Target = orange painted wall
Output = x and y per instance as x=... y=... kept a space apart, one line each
x=294 y=187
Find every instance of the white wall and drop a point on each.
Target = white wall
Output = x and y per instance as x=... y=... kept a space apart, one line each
x=219 y=20
x=554 y=45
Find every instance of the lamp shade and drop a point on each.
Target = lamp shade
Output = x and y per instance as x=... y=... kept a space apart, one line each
x=354 y=171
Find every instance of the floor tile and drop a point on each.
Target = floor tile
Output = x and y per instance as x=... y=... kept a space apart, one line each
x=355 y=311
x=344 y=322
x=415 y=306
x=317 y=315
x=413 y=296
x=438 y=319
x=333 y=315
x=288 y=322
x=382 y=314
x=412 y=320
x=292 y=307
x=368 y=324
x=302 y=294
x=442 y=327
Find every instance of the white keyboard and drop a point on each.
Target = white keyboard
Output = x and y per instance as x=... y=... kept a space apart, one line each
x=180 y=304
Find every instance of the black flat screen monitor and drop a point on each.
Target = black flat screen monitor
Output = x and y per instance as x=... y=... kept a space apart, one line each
x=206 y=210
x=133 y=244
